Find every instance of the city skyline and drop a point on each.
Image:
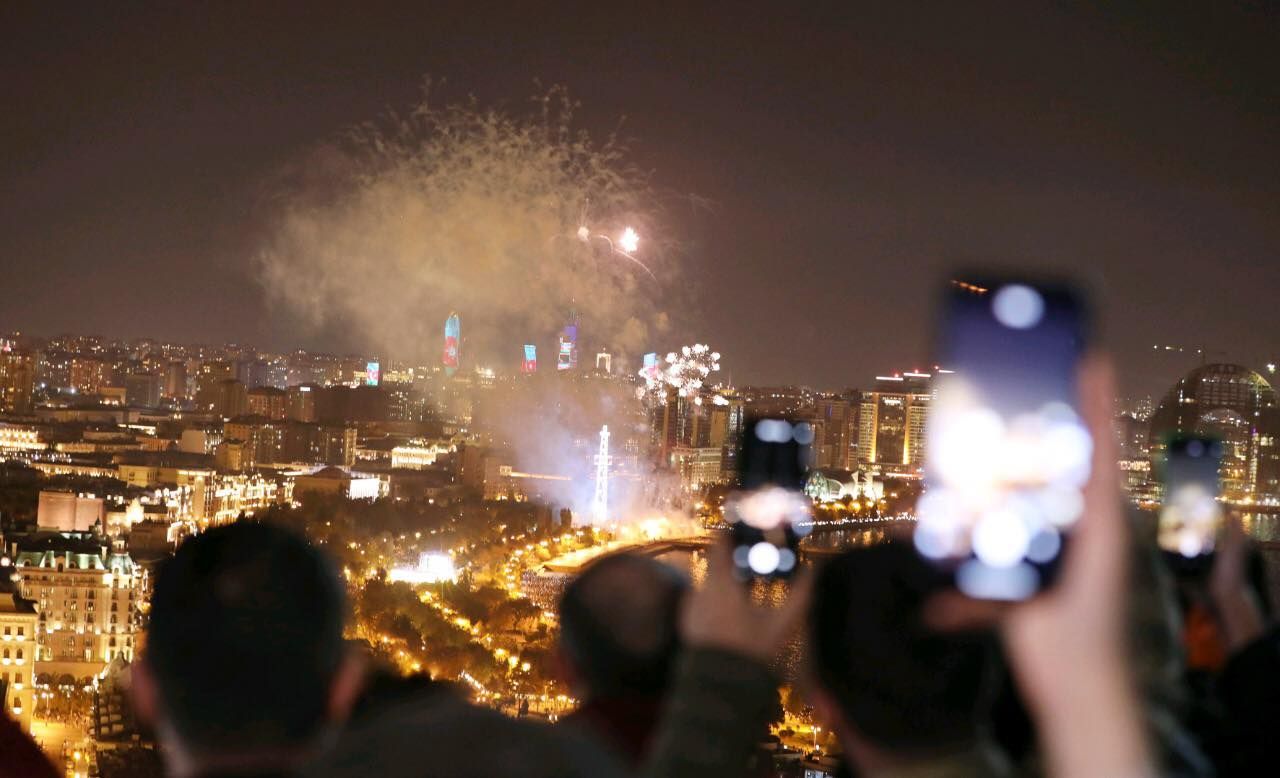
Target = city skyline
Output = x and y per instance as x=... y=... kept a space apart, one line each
x=1113 y=156
x=698 y=388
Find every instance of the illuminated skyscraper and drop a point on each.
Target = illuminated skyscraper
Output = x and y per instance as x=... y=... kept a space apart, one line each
x=567 y=355
x=891 y=420
x=530 y=363
x=89 y=374
x=452 y=344
x=17 y=381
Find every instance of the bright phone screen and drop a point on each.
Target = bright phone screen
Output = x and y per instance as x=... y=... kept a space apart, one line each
x=768 y=513
x=1007 y=454
x=1190 y=514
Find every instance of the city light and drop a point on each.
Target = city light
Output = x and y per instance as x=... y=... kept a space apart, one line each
x=455 y=499
x=431 y=568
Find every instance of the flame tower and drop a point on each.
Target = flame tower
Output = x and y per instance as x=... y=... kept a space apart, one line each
x=600 y=501
x=452 y=344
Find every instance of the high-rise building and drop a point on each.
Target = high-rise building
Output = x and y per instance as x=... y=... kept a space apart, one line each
x=209 y=380
x=340 y=404
x=452 y=356
x=695 y=421
x=301 y=402
x=835 y=417
x=175 y=380
x=1239 y=407
x=338 y=445
x=402 y=405
x=264 y=442
x=891 y=420
x=327 y=444
x=231 y=456
x=567 y=352
x=87 y=375
x=17 y=381
x=230 y=399
x=725 y=422
x=268 y=401
x=54 y=370
x=143 y=390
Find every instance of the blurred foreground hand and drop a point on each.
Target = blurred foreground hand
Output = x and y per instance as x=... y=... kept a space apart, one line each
x=1235 y=603
x=1068 y=646
x=721 y=614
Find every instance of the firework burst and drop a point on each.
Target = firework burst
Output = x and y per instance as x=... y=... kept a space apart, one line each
x=687 y=370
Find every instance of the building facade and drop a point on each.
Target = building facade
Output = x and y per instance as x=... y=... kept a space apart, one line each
x=18 y=650
x=1237 y=406
x=891 y=421
x=17 y=381
x=87 y=605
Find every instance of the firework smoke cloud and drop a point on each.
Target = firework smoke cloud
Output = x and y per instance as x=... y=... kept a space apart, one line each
x=509 y=219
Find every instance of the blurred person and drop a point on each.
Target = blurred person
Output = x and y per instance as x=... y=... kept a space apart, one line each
x=617 y=647
x=20 y=757
x=245 y=670
x=721 y=693
x=903 y=698
x=1246 y=689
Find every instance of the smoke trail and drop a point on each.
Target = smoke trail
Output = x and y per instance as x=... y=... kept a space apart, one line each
x=459 y=207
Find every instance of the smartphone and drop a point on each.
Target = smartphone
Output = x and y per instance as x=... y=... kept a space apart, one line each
x=1190 y=515
x=1008 y=454
x=769 y=513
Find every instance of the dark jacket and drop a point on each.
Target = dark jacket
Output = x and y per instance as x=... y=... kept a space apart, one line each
x=1249 y=692
x=20 y=757
x=626 y=724
x=718 y=705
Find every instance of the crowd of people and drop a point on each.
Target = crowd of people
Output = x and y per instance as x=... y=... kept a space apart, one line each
x=246 y=672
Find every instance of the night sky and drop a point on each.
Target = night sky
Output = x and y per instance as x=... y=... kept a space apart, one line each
x=851 y=155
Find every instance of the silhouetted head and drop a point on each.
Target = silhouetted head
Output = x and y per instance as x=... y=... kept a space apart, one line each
x=618 y=625
x=889 y=680
x=244 y=653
